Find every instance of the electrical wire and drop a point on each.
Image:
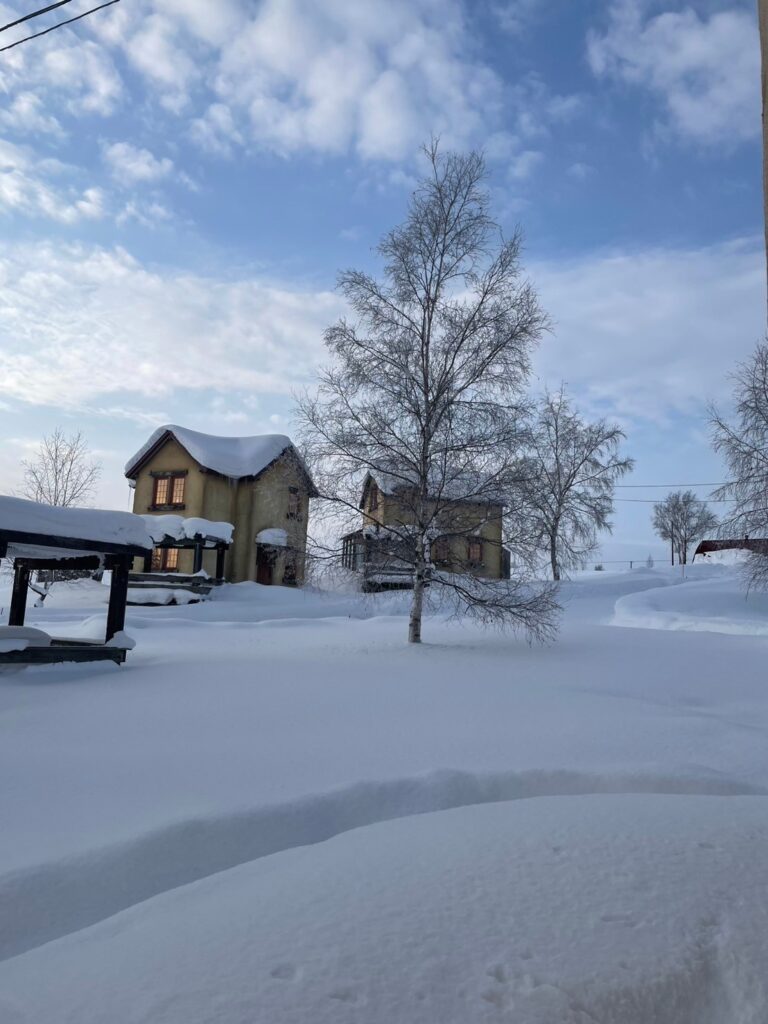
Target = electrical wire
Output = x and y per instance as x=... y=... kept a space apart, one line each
x=35 y=14
x=59 y=24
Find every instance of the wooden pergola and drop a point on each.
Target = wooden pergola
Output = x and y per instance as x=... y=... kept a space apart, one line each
x=45 y=548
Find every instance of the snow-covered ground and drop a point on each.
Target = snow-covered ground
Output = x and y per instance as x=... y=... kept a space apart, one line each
x=277 y=811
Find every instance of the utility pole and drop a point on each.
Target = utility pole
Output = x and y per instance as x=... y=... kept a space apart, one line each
x=762 y=15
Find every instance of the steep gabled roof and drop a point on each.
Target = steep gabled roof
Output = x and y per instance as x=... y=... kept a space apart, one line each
x=232 y=457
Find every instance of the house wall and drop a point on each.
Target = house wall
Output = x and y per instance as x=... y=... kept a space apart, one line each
x=169 y=458
x=463 y=518
x=250 y=505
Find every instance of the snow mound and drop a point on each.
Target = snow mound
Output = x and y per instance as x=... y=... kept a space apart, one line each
x=552 y=911
x=19 y=638
x=161 y=595
x=715 y=605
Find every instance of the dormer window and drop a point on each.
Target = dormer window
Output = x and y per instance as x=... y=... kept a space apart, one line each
x=169 y=489
x=374 y=498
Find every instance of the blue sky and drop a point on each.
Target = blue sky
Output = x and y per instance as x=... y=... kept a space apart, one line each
x=181 y=180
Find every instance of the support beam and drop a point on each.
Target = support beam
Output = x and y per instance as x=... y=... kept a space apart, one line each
x=147 y=563
x=118 y=597
x=19 y=595
x=197 y=563
x=221 y=552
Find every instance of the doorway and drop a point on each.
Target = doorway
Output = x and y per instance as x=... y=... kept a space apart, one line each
x=265 y=565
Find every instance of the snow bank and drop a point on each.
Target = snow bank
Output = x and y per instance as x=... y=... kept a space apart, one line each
x=19 y=638
x=181 y=528
x=622 y=909
x=86 y=524
x=161 y=595
x=716 y=605
x=234 y=457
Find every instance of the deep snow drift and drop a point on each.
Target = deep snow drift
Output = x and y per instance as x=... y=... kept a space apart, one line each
x=253 y=773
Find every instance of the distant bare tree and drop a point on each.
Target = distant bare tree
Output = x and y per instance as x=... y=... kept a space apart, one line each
x=426 y=387
x=569 y=478
x=682 y=519
x=62 y=471
x=744 y=445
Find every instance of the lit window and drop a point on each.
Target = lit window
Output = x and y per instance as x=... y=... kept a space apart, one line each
x=165 y=559
x=474 y=551
x=169 y=490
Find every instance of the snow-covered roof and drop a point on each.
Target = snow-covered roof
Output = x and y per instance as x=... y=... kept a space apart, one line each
x=180 y=528
x=463 y=487
x=233 y=457
x=97 y=529
x=275 y=536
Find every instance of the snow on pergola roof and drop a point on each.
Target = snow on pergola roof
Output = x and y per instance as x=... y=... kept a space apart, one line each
x=233 y=457
x=33 y=530
x=179 y=529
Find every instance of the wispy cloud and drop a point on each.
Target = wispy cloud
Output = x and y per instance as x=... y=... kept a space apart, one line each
x=109 y=326
x=652 y=333
x=705 y=71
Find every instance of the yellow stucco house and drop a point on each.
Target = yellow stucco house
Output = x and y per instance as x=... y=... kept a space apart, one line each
x=467 y=536
x=258 y=484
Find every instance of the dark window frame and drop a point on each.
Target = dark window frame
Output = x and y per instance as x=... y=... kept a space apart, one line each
x=472 y=544
x=161 y=556
x=294 y=504
x=170 y=482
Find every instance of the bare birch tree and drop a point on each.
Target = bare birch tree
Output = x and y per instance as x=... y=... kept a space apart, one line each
x=744 y=445
x=569 y=478
x=426 y=387
x=681 y=520
x=62 y=471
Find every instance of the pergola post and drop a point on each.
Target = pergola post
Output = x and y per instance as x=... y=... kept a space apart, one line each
x=221 y=552
x=118 y=597
x=19 y=595
x=148 y=562
x=197 y=563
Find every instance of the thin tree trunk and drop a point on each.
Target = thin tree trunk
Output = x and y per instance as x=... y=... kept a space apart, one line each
x=417 y=605
x=553 y=557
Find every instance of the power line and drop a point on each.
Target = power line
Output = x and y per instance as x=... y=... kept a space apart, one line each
x=722 y=484
x=35 y=14
x=651 y=501
x=59 y=24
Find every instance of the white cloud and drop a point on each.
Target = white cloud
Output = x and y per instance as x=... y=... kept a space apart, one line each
x=109 y=327
x=26 y=115
x=74 y=74
x=515 y=16
x=131 y=165
x=704 y=70
x=652 y=333
x=374 y=78
x=34 y=187
x=524 y=164
x=644 y=335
